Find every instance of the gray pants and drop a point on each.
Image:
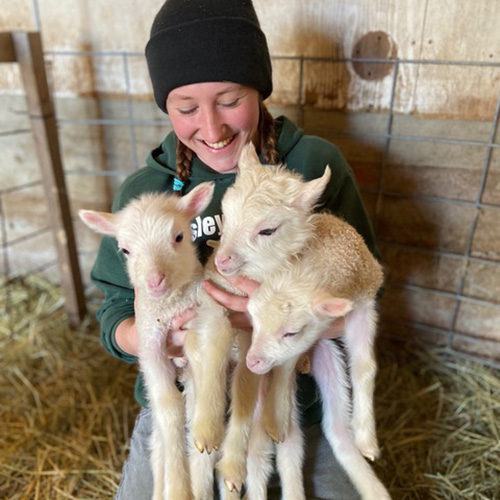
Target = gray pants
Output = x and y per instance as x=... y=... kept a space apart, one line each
x=324 y=479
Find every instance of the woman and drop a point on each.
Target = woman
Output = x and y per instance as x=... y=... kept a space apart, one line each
x=211 y=71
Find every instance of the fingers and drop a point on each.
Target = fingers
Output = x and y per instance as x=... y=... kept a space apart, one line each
x=177 y=335
x=246 y=285
x=175 y=351
x=227 y=299
x=241 y=321
x=175 y=343
x=181 y=321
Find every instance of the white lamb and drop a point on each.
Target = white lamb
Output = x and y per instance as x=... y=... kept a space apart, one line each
x=247 y=448
x=289 y=313
x=269 y=226
x=153 y=231
x=254 y=211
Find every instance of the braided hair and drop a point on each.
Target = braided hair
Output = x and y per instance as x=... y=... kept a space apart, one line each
x=267 y=137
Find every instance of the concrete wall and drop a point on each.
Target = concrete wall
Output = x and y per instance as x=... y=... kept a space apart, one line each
x=418 y=130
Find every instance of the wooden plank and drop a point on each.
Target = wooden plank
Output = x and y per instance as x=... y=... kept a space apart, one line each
x=345 y=29
x=29 y=54
x=7 y=53
x=459 y=30
x=445 y=30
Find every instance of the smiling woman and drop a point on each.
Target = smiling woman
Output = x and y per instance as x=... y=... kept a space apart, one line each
x=211 y=72
x=215 y=120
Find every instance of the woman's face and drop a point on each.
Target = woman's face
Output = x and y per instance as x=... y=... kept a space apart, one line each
x=215 y=120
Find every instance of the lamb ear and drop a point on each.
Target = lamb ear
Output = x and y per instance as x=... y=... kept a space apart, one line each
x=197 y=200
x=332 y=306
x=249 y=159
x=312 y=190
x=100 y=222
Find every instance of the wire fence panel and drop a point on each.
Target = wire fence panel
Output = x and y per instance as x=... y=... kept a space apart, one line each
x=430 y=182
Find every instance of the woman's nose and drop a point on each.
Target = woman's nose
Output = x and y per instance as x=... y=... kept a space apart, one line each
x=212 y=126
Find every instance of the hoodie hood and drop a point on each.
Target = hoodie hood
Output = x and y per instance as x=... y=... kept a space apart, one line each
x=288 y=136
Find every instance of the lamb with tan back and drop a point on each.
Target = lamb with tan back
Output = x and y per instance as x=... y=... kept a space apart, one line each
x=313 y=268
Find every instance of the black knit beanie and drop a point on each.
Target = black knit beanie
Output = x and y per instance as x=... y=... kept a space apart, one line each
x=194 y=41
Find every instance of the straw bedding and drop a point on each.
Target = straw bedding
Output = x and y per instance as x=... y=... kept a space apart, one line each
x=67 y=411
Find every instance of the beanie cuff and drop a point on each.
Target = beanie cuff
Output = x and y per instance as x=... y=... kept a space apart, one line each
x=209 y=50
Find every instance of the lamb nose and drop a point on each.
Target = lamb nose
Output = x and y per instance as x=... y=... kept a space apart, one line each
x=252 y=363
x=156 y=280
x=222 y=260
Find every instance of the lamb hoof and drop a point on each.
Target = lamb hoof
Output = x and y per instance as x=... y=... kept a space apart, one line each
x=274 y=437
x=207 y=437
x=371 y=453
x=205 y=447
x=200 y=447
x=233 y=471
x=276 y=430
x=368 y=446
x=232 y=486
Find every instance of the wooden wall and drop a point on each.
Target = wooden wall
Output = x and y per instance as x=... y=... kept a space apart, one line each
x=431 y=30
x=410 y=30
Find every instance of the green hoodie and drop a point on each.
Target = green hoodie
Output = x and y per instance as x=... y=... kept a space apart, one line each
x=305 y=154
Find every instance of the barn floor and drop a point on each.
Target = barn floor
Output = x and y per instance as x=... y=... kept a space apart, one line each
x=67 y=411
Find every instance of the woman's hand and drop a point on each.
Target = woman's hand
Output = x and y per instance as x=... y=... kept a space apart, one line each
x=127 y=337
x=177 y=335
x=236 y=303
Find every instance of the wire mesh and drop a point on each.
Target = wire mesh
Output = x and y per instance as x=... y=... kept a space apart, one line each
x=381 y=193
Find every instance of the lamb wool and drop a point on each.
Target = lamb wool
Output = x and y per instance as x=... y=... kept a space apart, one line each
x=194 y=41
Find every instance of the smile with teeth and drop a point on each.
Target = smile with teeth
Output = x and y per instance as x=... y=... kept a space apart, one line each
x=220 y=144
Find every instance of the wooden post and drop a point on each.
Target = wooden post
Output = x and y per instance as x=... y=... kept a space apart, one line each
x=7 y=53
x=26 y=49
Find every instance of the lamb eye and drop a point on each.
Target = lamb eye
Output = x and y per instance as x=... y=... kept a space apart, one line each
x=290 y=334
x=268 y=232
x=124 y=251
x=179 y=238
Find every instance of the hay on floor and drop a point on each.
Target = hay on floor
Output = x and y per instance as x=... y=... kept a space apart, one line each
x=67 y=411
x=439 y=425
x=67 y=406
